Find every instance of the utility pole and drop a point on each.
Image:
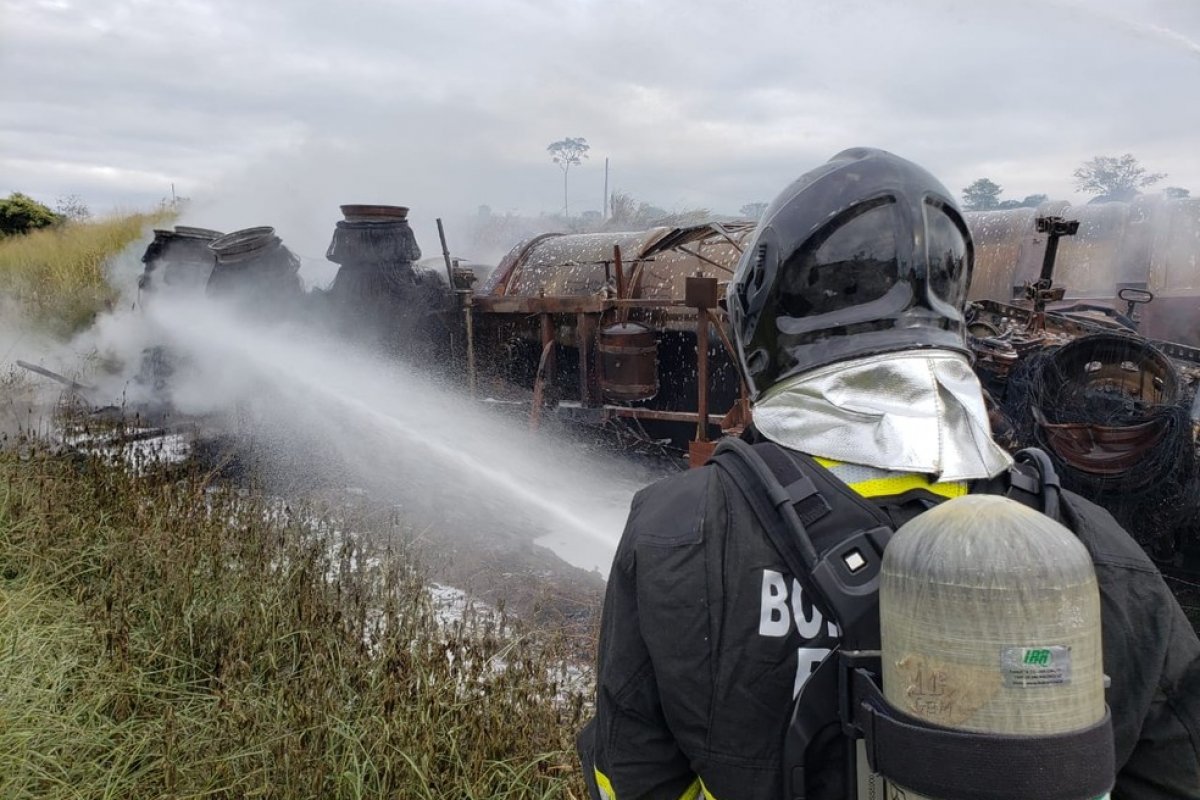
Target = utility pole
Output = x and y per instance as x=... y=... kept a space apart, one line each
x=605 y=206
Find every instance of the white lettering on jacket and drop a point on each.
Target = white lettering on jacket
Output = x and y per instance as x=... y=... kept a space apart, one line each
x=774 y=620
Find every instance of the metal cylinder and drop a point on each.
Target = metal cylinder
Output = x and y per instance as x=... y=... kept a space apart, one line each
x=253 y=262
x=178 y=259
x=628 y=362
x=990 y=621
x=1104 y=406
x=373 y=236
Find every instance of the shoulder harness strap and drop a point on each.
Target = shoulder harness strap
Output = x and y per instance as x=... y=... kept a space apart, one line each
x=843 y=571
x=783 y=492
x=1032 y=481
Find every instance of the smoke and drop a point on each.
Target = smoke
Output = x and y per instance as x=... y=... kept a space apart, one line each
x=319 y=412
x=298 y=191
x=28 y=401
x=315 y=412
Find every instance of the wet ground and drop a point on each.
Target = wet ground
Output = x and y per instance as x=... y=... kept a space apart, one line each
x=488 y=551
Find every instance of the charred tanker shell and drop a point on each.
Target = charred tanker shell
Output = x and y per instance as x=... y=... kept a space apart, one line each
x=1106 y=402
x=373 y=235
x=1147 y=244
x=378 y=295
x=628 y=362
x=1113 y=413
x=600 y=327
x=178 y=259
x=253 y=264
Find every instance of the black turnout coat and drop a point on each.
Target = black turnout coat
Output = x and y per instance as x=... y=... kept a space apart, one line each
x=705 y=636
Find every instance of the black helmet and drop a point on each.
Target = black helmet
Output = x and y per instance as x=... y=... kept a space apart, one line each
x=866 y=254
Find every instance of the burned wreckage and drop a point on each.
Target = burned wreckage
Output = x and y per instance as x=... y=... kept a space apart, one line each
x=1084 y=325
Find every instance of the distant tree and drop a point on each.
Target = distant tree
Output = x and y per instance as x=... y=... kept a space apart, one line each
x=20 y=213
x=626 y=211
x=650 y=214
x=621 y=208
x=72 y=208
x=1114 y=177
x=1030 y=201
x=982 y=195
x=753 y=210
x=682 y=217
x=568 y=153
x=1176 y=192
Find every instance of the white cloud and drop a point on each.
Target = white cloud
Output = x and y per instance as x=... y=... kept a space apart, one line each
x=264 y=106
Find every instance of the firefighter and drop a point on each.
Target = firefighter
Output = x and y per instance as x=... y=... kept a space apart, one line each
x=847 y=309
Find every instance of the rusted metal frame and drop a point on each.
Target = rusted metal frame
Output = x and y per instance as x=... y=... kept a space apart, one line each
x=635 y=282
x=589 y=379
x=545 y=372
x=446 y=255
x=658 y=414
x=538 y=305
x=701 y=375
x=701 y=293
x=1018 y=314
x=583 y=304
x=703 y=258
x=469 y=318
x=1102 y=449
x=647 y=302
x=539 y=385
x=54 y=376
x=620 y=272
x=719 y=228
x=733 y=357
x=623 y=289
x=1176 y=350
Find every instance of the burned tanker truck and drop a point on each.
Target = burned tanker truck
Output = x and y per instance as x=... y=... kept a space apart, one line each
x=178 y=260
x=1084 y=324
x=622 y=331
x=251 y=265
x=378 y=297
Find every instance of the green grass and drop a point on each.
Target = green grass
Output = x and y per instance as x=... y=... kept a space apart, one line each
x=161 y=639
x=56 y=276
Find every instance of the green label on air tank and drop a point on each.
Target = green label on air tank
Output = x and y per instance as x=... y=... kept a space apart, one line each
x=1040 y=656
x=1027 y=667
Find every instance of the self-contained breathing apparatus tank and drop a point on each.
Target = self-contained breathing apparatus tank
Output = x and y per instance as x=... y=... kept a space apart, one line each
x=990 y=622
x=969 y=666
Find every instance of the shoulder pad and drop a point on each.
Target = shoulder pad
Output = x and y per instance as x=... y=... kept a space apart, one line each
x=671 y=511
x=1108 y=542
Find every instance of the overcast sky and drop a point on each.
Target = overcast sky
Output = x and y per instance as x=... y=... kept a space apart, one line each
x=271 y=110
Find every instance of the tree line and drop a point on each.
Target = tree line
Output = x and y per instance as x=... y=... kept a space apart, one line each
x=1104 y=177
x=20 y=213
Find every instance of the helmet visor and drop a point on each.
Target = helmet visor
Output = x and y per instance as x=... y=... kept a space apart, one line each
x=947 y=254
x=849 y=263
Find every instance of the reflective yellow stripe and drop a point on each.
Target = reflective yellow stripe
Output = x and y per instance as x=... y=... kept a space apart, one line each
x=605 y=786
x=694 y=791
x=898 y=483
x=827 y=462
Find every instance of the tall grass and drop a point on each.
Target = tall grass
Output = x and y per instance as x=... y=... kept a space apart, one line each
x=161 y=639
x=56 y=276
